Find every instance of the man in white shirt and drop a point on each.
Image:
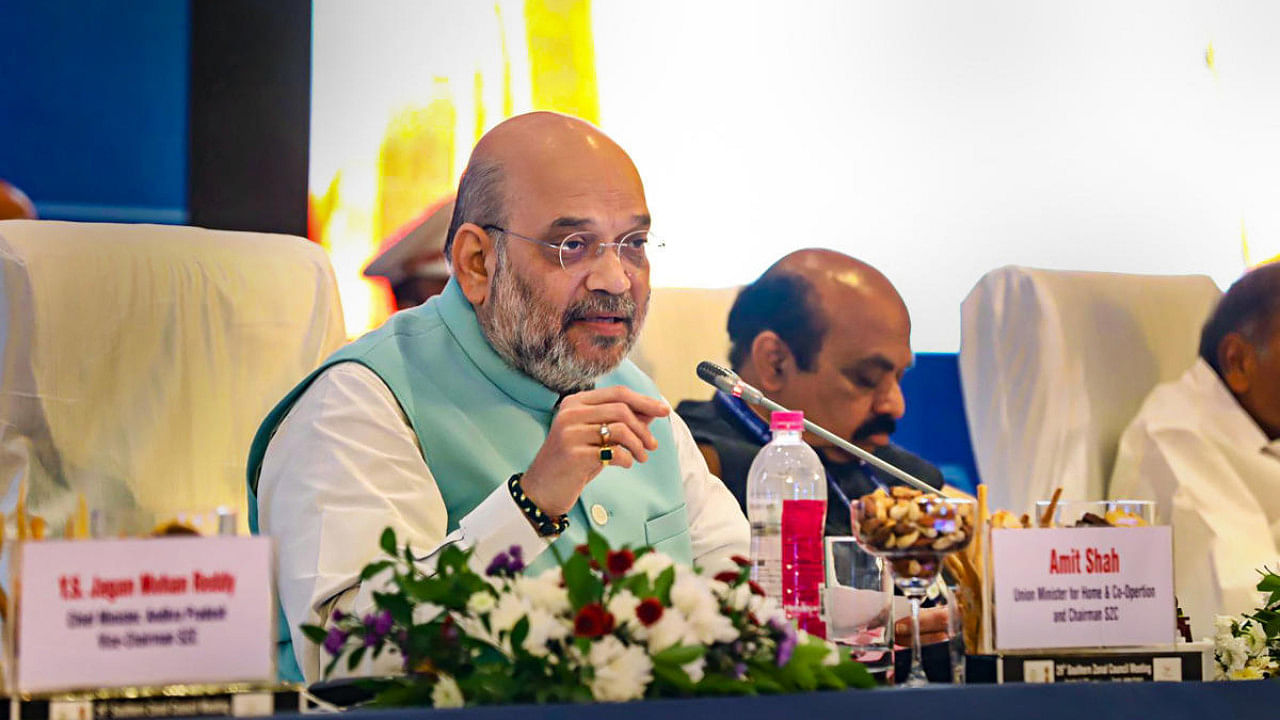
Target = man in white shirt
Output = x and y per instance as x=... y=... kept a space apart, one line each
x=1205 y=448
x=550 y=289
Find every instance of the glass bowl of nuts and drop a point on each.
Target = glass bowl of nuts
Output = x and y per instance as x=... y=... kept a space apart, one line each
x=913 y=531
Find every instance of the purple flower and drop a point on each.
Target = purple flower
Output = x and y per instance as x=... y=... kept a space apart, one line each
x=499 y=565
x=786 y=643
x=339 y=616
x=739 y=671
x=506 y=563
x=382 y=623
x=334 y=641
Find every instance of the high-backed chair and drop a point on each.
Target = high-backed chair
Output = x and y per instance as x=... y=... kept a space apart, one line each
x=1054 y=365
x=684 y=327
x=136 y=361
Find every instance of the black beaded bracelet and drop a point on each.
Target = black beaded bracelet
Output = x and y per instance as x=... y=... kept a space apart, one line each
x=543 y=523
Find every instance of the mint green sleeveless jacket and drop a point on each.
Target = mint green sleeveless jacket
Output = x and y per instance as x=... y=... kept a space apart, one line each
x=479 y=421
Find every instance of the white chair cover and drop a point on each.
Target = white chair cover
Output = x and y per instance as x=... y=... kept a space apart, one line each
x=138 y=360
x=685 y=326
x=1055 y=364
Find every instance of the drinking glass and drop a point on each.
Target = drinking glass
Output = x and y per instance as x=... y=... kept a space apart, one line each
x=1097 y=513
x=857 y=604
x=913 y=532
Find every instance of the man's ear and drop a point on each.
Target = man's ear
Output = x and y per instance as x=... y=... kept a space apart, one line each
x=772 y=360
x=1236 y=357
x=473 y=258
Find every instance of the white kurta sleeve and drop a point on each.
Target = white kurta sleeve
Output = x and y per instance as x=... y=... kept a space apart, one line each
x=717 y=526
x=1220 y=535
x=344 y=465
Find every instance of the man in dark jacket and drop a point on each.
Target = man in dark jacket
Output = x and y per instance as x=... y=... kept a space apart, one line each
x=827 y=334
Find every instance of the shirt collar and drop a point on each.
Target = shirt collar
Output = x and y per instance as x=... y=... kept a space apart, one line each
x=1231 y=422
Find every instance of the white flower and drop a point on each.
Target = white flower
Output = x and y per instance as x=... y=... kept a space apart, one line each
x=1264 y=664
x=670 y=630
x=480 y=602
x=738 y=598
x=1233 y=654
x=1222 y=625
x=623 y=609
x=1246 y=673
x=1256 y=637
x=508 y=611
x=544 y=591
x=543 y=628
x=446 y=693
x=710 y=626
x=652 y=564
x=621 y=672
x=833 y=655
x=696 y=669
x=690 y=591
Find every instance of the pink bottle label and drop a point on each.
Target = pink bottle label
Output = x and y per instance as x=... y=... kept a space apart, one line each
x=802 y=570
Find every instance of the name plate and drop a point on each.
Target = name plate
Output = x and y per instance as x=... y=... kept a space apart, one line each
x=1083 y=587
x=134 y=613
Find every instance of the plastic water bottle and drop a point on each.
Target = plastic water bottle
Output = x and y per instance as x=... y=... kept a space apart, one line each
x=787 y=507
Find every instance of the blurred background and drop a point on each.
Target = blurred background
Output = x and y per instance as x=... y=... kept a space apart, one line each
x=936 y=140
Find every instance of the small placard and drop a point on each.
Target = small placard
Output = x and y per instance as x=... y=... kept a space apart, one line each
x=1083 y=587
x=160 y=611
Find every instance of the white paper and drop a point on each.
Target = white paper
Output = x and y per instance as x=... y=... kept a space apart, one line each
x=115 y=613
x=1083 y=587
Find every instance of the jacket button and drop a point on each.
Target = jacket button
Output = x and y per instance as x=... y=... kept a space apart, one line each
x=599 y=514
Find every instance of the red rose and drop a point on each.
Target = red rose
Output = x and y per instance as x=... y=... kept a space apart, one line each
x=592 y=621
x=619 y=561
x=741 y=561
x=755 y=588
x=649 y=611
x=728 y=576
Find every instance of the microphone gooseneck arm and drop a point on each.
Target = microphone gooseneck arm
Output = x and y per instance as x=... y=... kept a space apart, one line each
x=728 y=382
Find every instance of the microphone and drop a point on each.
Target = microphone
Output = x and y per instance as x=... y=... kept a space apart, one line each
x=729 y=383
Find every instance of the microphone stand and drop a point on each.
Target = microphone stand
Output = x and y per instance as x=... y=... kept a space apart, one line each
x=729 y=382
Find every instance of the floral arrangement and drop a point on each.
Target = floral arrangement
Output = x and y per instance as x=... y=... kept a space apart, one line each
x=606 y=625
x=1248 y=647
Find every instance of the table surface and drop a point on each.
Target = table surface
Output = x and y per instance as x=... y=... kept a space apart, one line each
x=1094 y=701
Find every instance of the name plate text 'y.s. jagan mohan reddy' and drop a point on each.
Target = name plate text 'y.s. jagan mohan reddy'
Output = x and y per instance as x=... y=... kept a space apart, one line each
x=133 y=613
x=1083 y=587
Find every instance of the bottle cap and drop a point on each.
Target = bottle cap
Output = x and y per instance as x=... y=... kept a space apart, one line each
x=791 y=420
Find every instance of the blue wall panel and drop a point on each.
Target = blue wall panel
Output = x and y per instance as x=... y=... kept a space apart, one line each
x=935 y=426
x=93 y=107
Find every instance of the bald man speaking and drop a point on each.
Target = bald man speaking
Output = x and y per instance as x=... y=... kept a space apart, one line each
x=827 y=334
x=502 y=412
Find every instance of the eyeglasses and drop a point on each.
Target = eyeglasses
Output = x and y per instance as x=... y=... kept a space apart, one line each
x=632 y=248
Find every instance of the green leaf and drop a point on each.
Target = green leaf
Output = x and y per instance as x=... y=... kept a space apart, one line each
x=388 y=542
x=720 y=685
x=395 y=603
x=374 y=568
x=583 y=585
x=679 y=654
x=518 y=633
x=355 y=657
x=315 y=633
x=598 y=547
x=854 y=674
x=673 y=675
x=662 y=586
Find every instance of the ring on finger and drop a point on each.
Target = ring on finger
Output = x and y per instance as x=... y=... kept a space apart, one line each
x=604 y=433
x=606 y=454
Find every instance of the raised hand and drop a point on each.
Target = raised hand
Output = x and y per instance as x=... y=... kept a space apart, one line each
x=570 y=457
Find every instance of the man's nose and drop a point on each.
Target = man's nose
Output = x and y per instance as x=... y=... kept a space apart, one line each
x=891 y=402
x=608 y=273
